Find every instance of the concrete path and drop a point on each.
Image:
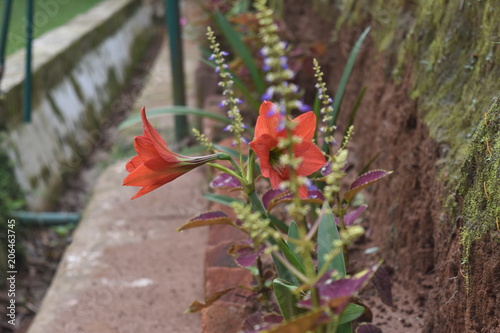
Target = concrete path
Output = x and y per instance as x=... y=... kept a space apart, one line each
x=127 y=269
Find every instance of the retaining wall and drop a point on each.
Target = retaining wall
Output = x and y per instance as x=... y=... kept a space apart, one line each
x=78 y=71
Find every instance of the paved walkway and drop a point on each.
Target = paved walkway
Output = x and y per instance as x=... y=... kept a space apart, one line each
x=127 y=269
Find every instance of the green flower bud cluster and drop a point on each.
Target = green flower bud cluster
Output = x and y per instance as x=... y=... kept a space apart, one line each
x=326 y=104
x=257 y=227
x=203 y=140
x=337 y=162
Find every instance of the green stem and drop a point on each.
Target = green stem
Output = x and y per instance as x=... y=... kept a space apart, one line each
x=341 y=213
x=228 y=171
x=262 y=284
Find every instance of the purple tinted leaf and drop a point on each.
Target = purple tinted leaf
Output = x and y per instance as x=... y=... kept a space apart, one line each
x=337 y=293
x=259 y=321
x=365 y=180
x=246 y=256
x=273 y=319
x=210 y=218
x=351 y=217
x=382 y=282
x=210 y=215
x=225 y=181
x=274 y=197
x=369 y=177
x=368 y=328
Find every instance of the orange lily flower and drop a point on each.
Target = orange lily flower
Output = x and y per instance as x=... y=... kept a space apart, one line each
x=155 y=165
x=265 y=145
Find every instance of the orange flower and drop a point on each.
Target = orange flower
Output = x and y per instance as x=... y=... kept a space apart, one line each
x=265 y=144
x=155 y=165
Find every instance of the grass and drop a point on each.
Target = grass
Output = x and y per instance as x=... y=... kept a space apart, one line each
x=48 y=14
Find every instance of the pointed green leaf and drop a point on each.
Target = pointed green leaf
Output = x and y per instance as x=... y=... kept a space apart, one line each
x=222 y=199
x=345 y=328
x=337 y=100
x=350 y=313
x=291 y=256
x=283 y=272
x=234 y=39
x=287 y=299
x=327 y=234
x=293 y=233
x=277 y=223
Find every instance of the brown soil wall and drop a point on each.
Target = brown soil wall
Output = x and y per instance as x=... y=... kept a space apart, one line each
x=418 y=237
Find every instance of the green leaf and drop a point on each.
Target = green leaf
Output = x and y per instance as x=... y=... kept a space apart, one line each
x=283 y=272
x=350 y=313
x=293 y=233
x=277 y=223
x=354 y=111
x=327 y=234
x=222 y=199
x=291 y=257
x=236 y=42
x=286 y=298
x=367 y=165
x=172 y=110
x=345 y=328
x=337 y=100
x=257 y=204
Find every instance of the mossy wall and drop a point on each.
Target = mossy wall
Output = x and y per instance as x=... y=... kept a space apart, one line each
x=452 y=49
x=79 y=70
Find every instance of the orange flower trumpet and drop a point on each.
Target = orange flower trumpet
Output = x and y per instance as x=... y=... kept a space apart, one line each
x=155 y=164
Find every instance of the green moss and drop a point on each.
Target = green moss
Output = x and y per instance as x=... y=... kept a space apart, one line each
x=451 y=48
x=480 y=182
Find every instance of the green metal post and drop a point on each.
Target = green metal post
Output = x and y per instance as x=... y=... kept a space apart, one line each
x=27 y=79
x=176 y=64
x=7 y=7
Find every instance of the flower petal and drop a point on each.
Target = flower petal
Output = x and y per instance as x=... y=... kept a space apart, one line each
x=156 y=139
x=145 y=148
x=306 y=126
x=262 y=145
x=134 y=163
x=303 y=192
x=312 y=160
x=145 y=190
x=154 y=172
x=268 y=121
